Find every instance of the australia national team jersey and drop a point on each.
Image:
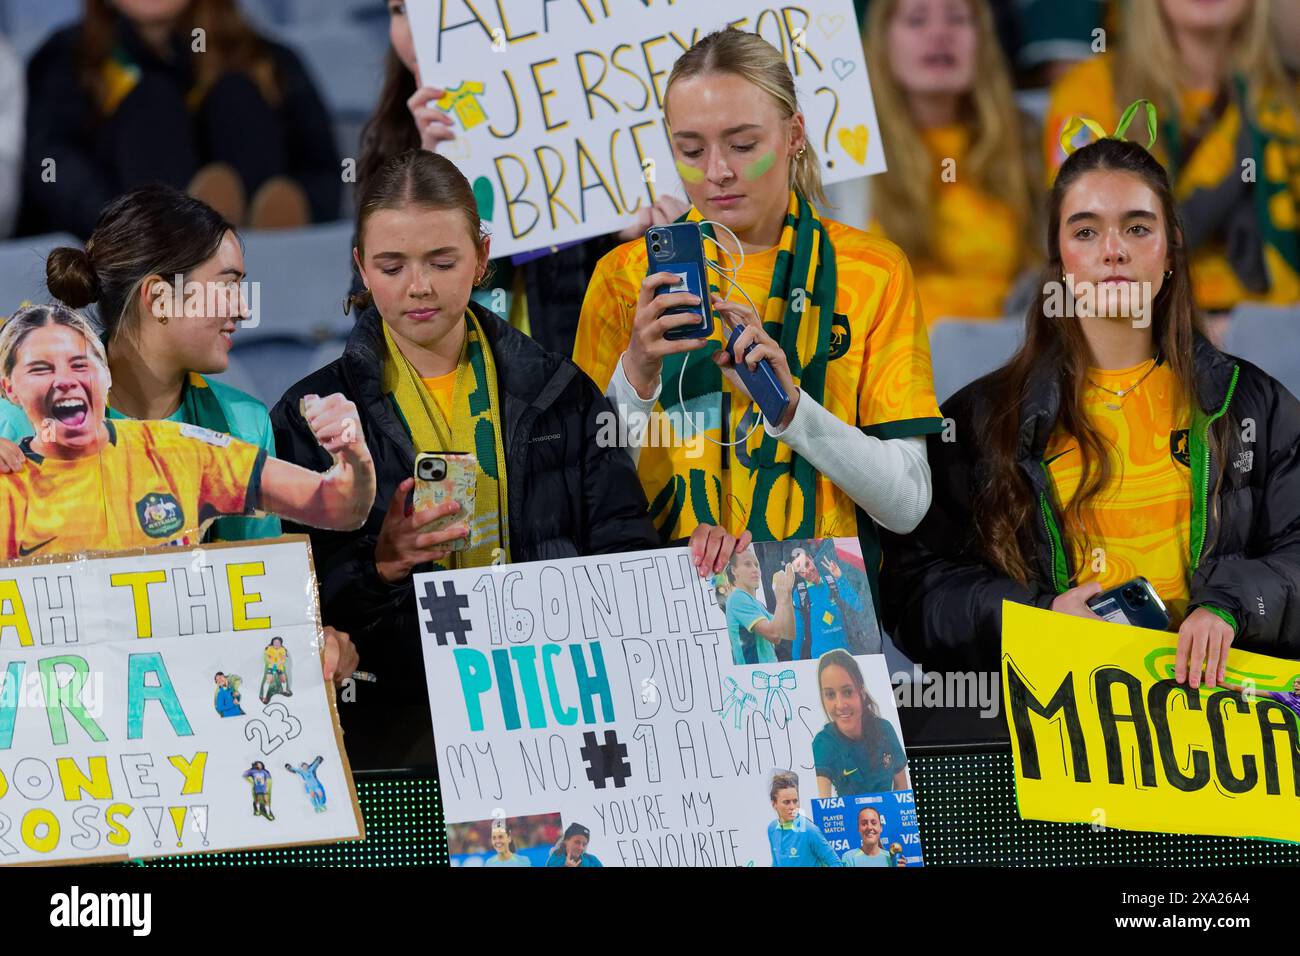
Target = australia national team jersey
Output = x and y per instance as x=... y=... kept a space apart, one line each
x=856 y=857
x=153 y=483
x=855 y=766
x=747 y=645
x=815 y=607
x=1140 y=523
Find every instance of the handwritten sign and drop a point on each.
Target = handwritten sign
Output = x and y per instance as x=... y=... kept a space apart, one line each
x=165 y=702
x=601 y=696
x=1102 y=734
x=558 y=105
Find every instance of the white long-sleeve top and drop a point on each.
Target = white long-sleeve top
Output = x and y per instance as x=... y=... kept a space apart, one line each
x=888 y=478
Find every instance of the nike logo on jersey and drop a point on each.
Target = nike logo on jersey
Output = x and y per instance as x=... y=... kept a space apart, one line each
x=24 y=551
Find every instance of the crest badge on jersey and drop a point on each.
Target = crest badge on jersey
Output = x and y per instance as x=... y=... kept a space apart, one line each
x=160 y=515
x=1178 y=447
x=840 y=337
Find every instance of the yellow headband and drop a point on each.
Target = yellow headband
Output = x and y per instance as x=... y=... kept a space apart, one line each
x=1077 y=122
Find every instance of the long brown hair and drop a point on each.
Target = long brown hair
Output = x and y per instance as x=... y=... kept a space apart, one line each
x=1002 y=159
x=390 y=129
x=1005 y=508
x=151 y=230
x=231 y=44
x=1150 y=67
x=753 y=59
x=417 y=177
x=870 y=709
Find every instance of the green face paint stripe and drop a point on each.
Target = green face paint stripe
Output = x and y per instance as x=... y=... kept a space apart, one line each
x=689 y=174
x=759 y=166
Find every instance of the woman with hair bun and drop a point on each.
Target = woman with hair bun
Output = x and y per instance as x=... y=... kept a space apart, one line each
x=161 y=347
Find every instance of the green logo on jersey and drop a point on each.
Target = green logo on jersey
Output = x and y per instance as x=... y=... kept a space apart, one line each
x=160 y=515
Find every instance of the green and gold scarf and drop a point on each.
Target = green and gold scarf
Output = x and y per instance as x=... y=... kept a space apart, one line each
x=1255 y=215
x=774 y=490
x=475 y=426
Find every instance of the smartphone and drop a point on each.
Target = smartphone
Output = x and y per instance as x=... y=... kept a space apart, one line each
x=679 y=248
x=443 y=475
x=1135 y=603
x=761 y=383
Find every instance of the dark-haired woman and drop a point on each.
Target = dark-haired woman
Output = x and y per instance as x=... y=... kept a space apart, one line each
x=429 y=370
x=547 y=289
x=181 y=92
x=858 y=751
x=1117 y=442
x=161 y=347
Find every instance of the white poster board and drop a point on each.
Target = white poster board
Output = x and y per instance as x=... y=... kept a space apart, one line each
x=604 y=693
x=117 y=740
x=558 y=104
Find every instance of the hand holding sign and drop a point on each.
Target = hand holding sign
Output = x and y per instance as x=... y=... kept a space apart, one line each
x=432 y=123
x=1203 y=642
x=341 y=657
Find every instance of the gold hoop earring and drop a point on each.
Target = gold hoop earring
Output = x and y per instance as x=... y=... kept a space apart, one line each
x=1169 y=274
x=162 y=320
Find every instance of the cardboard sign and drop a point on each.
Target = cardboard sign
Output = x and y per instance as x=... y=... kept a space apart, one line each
x=599 y=711
x=167 y=701
x=1102 y=734
x=558 y=104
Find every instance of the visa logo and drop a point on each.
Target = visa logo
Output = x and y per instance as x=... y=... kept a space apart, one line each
x=903 y=796
x=911 y=838
x=833 y=803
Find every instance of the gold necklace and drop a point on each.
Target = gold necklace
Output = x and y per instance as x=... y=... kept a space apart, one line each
x=1114 y=407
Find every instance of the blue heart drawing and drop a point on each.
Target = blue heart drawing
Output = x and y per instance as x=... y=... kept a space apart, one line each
x=842 y=67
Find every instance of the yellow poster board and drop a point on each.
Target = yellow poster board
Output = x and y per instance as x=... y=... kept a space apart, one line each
x=1101 y=734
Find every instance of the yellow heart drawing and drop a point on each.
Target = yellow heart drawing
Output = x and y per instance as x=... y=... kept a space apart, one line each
x=854 y=142
x=830 y=25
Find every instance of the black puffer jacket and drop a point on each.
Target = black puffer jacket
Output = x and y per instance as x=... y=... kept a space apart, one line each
x=943 y=603
x=568 y=497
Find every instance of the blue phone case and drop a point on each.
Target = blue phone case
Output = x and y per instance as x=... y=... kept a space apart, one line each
x=762 y=382
x=678 y=248
x=1135 y=603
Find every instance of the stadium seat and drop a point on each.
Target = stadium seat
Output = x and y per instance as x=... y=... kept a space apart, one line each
x=28 y=24
x=268 y=367
x=1266 y=336
x=22 y=268
x=963 y=350
x=302 y=279
x=345 y=62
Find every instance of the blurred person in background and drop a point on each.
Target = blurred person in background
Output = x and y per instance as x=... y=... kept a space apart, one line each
x=546 y=290
x=1228 y=134
x=12 y=94
x=958 y=196
x=181 y=92
x=1053 y=35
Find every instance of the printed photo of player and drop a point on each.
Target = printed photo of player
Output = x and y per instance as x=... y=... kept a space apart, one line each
x=858 y=751
x=89 y=483
x=871 y=852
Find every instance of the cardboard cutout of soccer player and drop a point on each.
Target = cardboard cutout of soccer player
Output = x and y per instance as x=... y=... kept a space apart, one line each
x=91 y=484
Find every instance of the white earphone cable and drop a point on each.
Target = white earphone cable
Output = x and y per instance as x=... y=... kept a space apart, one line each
x=732 y=276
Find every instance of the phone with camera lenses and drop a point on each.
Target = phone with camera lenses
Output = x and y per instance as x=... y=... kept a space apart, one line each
x=679 y=248
x=1135 y=603
x=440 y=476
